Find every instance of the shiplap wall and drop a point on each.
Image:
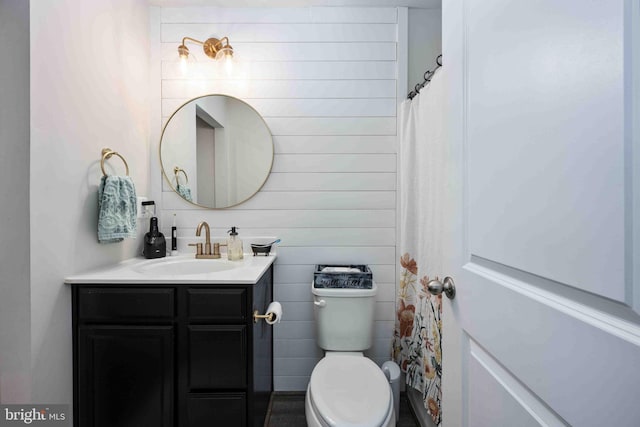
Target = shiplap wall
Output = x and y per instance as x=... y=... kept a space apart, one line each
x=324 y=79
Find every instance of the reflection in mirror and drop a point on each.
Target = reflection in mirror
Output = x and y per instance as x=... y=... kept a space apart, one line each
x=216 y=151
x=183 y=188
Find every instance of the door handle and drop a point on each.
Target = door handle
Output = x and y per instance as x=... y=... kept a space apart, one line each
x=436 y=287
x=320 y=303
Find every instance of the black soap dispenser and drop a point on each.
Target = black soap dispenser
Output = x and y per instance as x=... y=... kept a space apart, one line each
x=155 y=245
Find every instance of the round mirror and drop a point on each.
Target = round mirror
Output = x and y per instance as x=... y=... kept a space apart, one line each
x=216 y=151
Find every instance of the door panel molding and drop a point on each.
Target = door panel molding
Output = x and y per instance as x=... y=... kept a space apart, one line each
x=556 y=352
x=545 y=146
x=606 y=315
x=632 y=152
x=488 y=372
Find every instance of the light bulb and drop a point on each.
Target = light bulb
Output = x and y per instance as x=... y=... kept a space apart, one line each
x=185 y=58
x=183 y=53
x=225 y=55
x=228 y=65
x=183 y=64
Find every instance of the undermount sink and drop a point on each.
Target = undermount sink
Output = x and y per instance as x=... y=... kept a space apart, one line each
x=186 y=266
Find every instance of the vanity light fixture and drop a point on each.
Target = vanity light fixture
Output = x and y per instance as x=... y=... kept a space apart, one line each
x=218 y=49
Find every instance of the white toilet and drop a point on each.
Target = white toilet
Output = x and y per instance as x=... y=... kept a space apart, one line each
x=346 y=388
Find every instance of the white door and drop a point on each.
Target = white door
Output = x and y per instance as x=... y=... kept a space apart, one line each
x=542 y=102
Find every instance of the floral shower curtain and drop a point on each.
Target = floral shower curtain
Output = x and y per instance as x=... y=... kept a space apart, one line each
x=417 y=344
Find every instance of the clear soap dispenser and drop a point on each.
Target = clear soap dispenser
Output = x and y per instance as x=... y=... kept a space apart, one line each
x=234 y=245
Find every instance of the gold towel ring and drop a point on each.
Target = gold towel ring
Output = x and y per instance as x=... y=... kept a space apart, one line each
x=106 y=155
x=176 y=170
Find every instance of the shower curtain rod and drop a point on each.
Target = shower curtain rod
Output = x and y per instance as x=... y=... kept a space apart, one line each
x=427 y=78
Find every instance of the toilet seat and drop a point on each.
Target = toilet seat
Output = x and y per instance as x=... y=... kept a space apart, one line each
x=350 y=390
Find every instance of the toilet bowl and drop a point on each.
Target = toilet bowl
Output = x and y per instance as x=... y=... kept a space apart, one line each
x=348 y=390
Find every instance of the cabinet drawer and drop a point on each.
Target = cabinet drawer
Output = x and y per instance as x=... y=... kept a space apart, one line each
x=118 y=304
x=207 y=410
x=217 y=304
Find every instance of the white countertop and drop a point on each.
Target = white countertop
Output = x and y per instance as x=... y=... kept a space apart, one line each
x=140 y=271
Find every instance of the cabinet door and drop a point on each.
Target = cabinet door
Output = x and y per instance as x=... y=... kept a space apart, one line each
x=125 y=376
x=217 y=357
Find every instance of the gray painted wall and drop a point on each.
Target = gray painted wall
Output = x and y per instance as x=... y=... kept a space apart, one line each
x=88 y=93
x=14 y=202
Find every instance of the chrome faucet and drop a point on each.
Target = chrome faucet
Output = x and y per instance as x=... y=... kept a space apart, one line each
x=206 y=253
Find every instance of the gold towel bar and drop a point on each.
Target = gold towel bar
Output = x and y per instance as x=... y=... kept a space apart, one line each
x=177 y=170
x=106 y=155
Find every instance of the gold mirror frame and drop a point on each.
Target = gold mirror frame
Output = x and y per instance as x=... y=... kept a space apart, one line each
x=168 y=179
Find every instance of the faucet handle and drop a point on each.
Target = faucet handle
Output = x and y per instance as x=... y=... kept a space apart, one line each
x=219 y=246
x=198 y=247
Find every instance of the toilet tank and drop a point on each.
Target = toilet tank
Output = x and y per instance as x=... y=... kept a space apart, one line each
x=344 y=317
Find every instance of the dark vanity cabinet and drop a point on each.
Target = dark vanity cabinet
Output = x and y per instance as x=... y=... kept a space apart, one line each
x=172 y=355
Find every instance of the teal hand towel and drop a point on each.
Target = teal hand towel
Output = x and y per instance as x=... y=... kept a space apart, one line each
x=117 y=209
x=185 y=192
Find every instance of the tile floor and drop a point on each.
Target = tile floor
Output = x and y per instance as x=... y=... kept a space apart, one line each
x=287 y=410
